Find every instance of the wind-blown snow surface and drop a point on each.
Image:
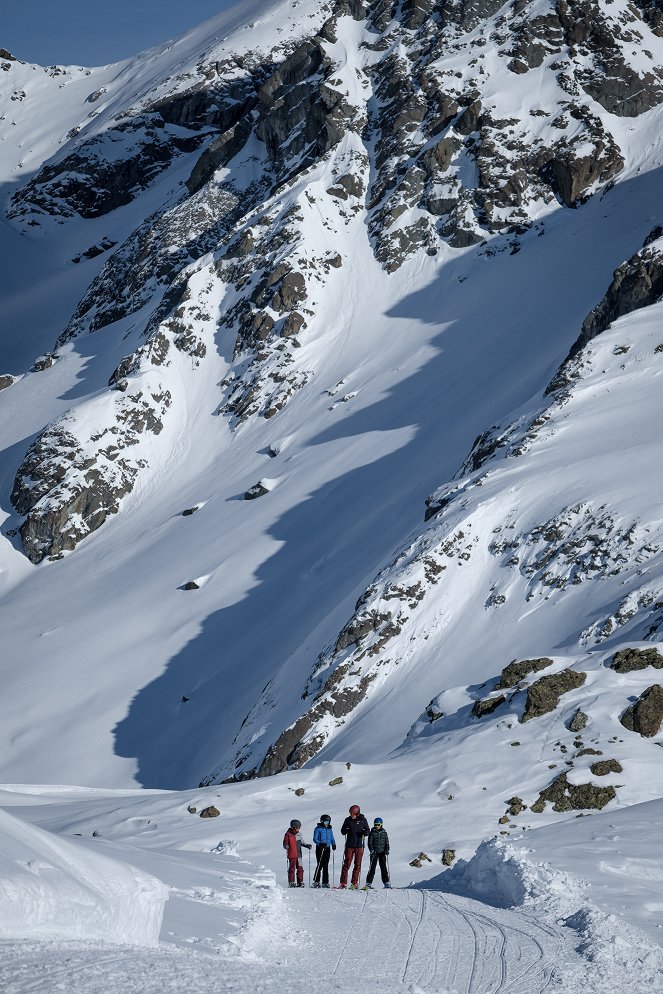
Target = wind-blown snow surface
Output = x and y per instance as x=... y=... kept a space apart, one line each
x=53 y=888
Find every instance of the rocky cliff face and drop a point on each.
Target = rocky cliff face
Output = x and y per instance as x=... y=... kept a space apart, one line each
x=486 y=526
x=419 y=146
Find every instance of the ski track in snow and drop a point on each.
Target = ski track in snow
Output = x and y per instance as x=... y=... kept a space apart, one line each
x=406 y=940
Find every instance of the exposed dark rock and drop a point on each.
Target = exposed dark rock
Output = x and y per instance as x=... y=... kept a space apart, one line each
x=257 y=490
x=518 y=670
x=572 y=172
x=191 y=585
x=192 y=809
x=190 y=510
x=219 y=153
x=433 y=714
x=6 y=381
x=543 y=696
x=606 y=766
x=631 y=659
x=646 y=715
x=300 y=791
x=348 y=185
x=292 y=325
x=573 y=797
x=516 y=806
x=578 y=721
x=335 y=781
x=448 y=856
x=635 y=284
x=44 y=362
x=487 y=706
x=588 y=751
x=210 y=812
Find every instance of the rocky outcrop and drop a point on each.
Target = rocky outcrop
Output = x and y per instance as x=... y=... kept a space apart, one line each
x=605 y=766
x=487 y=706
x=6 y=381
x=636 y=283
x=544 y=695
x=578 y=721
x=518 y=670
x=632 y=659
x=573 y=797
x=646 y=715
x=76 y=473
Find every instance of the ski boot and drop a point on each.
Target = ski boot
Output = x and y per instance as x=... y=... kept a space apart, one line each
x=368 y=887
x=353 y=887
x=325 y=886
x=302 y=884
x=316 y=885
x=387 y=886
x=292 y=884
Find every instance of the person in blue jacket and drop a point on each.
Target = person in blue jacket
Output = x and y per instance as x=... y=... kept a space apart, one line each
x=325 y=843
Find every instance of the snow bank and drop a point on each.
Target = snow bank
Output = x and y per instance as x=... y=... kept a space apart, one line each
x=506 y=876
x=52 y=888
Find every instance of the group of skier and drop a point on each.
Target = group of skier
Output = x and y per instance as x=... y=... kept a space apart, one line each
x=356 y=830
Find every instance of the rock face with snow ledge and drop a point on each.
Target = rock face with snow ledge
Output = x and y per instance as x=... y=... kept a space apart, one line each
x=418 y=146
x=538 y=556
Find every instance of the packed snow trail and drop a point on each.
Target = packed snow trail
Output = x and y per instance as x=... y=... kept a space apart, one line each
x=391 y=942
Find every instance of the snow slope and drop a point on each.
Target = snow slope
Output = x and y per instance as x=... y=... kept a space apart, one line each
x=51 y=888
x=280 y=275
x=506 y=920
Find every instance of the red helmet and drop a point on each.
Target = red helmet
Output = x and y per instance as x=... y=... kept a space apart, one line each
x=354 y=809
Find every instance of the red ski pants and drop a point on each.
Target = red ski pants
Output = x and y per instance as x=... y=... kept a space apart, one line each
x=295 y=865
x=349 y=856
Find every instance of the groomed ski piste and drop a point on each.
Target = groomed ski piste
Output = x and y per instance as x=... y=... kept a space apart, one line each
x=160 y=900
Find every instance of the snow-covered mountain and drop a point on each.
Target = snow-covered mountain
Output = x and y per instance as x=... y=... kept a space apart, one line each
x=330 y=404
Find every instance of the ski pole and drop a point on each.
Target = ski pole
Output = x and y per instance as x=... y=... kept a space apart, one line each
x=333 y=868
x=309 y=866
x=388 y=870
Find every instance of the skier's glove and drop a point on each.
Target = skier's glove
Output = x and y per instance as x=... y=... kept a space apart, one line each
x=334 y=847
x=307 y=845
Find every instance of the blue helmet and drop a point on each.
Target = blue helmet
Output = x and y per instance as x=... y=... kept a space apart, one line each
x=377 y=821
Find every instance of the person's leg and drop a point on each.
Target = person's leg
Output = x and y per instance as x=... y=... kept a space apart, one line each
x=324 y=866
x=291 y=870
x=319 y=853
x=300 y=872
x=383 y=868
x=347 y=859
x=356 y=870
x=371 y=868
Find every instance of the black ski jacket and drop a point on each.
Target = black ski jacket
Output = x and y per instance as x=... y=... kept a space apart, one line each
x=378 y=840
x=354 y=830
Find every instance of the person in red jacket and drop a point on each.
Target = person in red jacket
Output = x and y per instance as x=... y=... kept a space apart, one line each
x=292 y=843
x=355 y=829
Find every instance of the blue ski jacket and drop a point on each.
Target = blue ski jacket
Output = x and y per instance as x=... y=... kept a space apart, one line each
x=323 y=836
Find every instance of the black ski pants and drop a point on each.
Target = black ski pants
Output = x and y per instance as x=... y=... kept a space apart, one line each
x=321 y=865
x=382 y=857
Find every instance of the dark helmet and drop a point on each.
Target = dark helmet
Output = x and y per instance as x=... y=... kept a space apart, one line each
x=354 y=809
x=295 y=823
x=378 y=821
x=325 y=818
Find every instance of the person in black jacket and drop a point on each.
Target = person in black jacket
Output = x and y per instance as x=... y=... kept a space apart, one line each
x=355 y=829
x=378 y=847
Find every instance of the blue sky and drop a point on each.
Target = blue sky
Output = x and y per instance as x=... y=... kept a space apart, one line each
x=95 y=32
